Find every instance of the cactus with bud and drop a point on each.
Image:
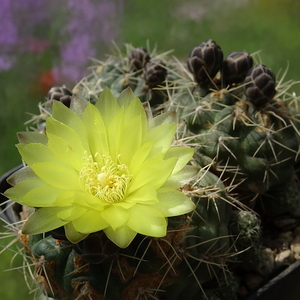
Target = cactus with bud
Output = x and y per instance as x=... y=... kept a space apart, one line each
x=245 y=133
x=245 y=137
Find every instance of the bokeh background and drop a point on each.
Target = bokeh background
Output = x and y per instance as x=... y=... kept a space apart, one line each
x=45 y=43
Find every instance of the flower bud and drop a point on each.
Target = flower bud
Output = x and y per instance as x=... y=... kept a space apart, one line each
x=235 y=67
x=62 y=94
x=138 y=58
x=205 y=61
x=155 y=73
x=260 y=85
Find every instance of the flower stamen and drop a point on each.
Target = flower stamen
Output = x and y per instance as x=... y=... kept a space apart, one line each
x=105 y=179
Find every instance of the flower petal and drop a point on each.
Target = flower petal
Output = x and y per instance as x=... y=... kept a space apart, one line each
x=162 y=136
x=145 y=194
x=36 y=153
x=182 y=154
x=43 y=196
x=22 y=188
x=66 y=198
x=72 y=234
x=20 y=175
x=115 y=216
x=139 y=157
x=57 y=175
x=148 y=174
x=164 y=118
x=77 y=144
x=107 y=105
x=147 y=220
x=95 y=130
x=64 y=152
x=133 y=109
x=173 y=202
x=43 y=220
x=182 y=177
x=125 y=98
x=63 y=114
x=122 y=236
x=26 y=137
x=129 y=143
x=89 y=222
x=78 y=104
x=71 y=213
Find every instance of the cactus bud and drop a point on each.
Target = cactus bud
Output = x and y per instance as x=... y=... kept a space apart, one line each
x=138 y=58
x=235 y=67
x=62 y=94
x=205 y=61
x=155 y=73
x=260 y=85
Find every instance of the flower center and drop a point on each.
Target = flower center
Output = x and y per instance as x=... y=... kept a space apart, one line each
x=105 y=179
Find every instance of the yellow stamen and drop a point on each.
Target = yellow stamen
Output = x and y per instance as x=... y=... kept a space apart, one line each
x=106 y=179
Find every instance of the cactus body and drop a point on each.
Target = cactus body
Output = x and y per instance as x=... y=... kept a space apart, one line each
x=137 y=70
x=246 y=140
x=196 y=246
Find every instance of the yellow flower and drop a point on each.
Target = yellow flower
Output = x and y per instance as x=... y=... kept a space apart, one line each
x=103 y=167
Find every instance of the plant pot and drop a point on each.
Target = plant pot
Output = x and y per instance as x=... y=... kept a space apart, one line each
x=6 y=211
x=283 y=286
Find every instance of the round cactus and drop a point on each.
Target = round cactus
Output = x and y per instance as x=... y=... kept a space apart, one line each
x=246 y=143
x=195 y=249
x=140 y=70
x=246 y=134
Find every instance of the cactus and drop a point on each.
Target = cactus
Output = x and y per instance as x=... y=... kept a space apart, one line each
x=194 y=250
x=243 y=130
x=245 y=133
x=140 y=70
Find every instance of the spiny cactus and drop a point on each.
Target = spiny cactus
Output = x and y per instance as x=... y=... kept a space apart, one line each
x=245 y=133
x=195 y=249
x=248 y=135
x=139 y=69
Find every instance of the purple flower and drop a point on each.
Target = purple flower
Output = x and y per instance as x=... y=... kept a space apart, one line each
x=71 y=32
x=90 y=25
x=8 y=35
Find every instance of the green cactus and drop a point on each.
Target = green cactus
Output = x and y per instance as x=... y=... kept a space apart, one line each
x=138 y=69
x=245 y=132
x=192 y=253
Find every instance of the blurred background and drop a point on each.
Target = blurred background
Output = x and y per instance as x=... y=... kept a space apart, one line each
x=45 y=43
